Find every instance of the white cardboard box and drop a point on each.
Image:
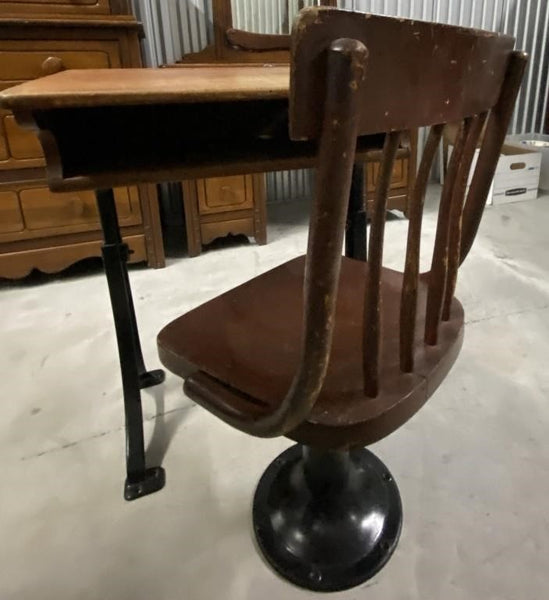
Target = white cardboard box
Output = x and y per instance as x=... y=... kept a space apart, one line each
x=537 y=142
x=517 y=175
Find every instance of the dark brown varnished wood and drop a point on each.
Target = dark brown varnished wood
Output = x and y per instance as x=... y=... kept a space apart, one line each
x=408 y=305
x=455 y=223
x=261 y=347
x=243 y=374
x=283 y=354
x=439 y=263
x=345 y=71
x=372 y=299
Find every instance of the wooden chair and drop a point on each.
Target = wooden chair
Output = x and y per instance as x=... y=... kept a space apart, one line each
x=335 y=353
x=233 y=45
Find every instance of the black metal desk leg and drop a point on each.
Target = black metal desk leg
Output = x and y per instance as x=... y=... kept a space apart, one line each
x=357 y=220
x=140 y=481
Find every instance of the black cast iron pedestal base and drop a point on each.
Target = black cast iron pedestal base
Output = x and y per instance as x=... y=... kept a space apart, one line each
x=327 y=521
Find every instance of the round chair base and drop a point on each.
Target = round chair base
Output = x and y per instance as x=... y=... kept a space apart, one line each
x=327 y=521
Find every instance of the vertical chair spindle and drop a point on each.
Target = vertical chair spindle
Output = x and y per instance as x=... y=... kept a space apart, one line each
x=439 y=264
x=372 y=300
x=408 y=303
x=456 y=212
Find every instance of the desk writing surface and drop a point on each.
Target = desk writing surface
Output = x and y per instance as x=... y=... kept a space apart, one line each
x=104 y=128
x=96 y=87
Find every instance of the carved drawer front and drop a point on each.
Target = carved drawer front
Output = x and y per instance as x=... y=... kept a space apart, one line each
x=10 y=213
x=25 y=60
x=399 y=177
x=45 y=210
x=32 y=8
x=224 y=194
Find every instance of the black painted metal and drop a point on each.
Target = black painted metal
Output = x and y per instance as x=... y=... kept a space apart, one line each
x=140 y=481
x=327 y=521
x=357 y=221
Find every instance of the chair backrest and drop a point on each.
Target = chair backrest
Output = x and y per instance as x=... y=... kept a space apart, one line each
x=372 y=74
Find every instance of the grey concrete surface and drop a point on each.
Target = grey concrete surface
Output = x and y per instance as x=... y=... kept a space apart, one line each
x=472 y=466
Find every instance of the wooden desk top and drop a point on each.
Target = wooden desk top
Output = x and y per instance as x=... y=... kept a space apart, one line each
x=119 y=87
x=103 y=128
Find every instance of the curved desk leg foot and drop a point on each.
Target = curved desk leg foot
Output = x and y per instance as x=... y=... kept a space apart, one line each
x=151 y=378
x=153 y=480
x=140 y=481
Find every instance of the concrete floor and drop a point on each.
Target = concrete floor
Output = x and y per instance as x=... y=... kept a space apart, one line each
x=472 y=466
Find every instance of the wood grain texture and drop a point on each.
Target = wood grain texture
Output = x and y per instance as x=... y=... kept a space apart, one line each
x=408 y=305
x=439 y=264
x=148 y=86
x=345 y=71
x=456 y=212
x=281 y=355
x=372 y=301
x=245 y=381
x=43 y=38
x=239 y=353
x=459 y=70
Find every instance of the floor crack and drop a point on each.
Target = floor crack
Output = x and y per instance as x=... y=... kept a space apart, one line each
x=100 y=435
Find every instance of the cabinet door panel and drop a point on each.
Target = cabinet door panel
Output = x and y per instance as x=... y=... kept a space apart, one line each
x=10 y=213
x=223 y=194
x=43 y=209
x=399 y=177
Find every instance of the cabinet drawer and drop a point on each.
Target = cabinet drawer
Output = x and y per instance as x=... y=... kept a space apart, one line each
x=399 y=177
x=224 y=194
x=25 y=60
x=43 y=209
x=24 y=64
x=33 y=8
x=10 y=213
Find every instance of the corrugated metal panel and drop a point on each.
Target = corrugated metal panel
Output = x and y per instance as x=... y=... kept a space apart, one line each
x=176 y=27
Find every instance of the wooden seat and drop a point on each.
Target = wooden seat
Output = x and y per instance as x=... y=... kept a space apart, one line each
x=238 y=353
x=335 y=353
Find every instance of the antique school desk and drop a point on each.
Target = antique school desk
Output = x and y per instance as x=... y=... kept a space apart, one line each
x=104 y=128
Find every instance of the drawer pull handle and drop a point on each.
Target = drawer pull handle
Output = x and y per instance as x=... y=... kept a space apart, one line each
x=52 y=64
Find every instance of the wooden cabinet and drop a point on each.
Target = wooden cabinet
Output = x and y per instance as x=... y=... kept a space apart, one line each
x=398 y=189
x=40 y=229
x=219 y=206
x=57 y=8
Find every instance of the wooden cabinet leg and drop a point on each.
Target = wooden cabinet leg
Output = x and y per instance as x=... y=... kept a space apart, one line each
x=152 y=226
x=192 y=222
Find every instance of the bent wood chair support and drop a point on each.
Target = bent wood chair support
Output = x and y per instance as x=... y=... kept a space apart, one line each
x=345 y=72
